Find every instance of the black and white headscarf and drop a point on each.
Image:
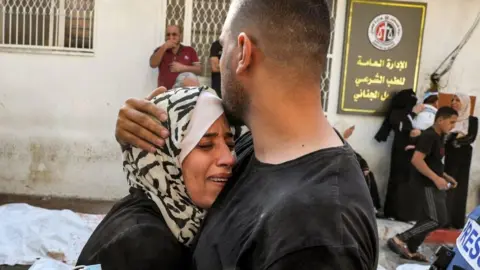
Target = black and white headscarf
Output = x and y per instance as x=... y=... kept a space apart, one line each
x=191 y=112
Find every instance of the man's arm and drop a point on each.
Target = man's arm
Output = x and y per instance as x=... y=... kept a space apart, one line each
x=215 y=64
x=214 y=56
x=157 y=56
x=195 y=68
x=135 y=125
x=418 y=161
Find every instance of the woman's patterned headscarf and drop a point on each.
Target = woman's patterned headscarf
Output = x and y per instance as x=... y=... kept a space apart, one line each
x=191 y=112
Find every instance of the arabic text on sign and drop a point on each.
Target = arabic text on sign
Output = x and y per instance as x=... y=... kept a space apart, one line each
x=379 y=79
x=383 y=63
x=371 y=95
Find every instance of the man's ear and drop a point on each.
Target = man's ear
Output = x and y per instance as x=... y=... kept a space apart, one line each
x=245 y=53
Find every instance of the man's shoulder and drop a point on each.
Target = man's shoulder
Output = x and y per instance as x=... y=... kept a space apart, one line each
x=332 y=190
x=188 y=49
x=429 y=134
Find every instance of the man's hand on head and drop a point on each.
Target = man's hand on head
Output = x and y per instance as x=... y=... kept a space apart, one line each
x=136 y=126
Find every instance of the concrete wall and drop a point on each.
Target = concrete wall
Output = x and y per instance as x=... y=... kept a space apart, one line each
x=446 y=24
x=58 y=112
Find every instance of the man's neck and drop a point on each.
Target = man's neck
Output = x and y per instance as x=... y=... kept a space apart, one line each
x=437 y=130
x=286 y=127
x=176 y=49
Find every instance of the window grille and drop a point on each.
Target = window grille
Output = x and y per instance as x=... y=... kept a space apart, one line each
x=56 y=25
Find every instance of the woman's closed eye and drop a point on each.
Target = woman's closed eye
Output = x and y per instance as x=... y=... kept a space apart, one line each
x=210 y=145
x=205 y=146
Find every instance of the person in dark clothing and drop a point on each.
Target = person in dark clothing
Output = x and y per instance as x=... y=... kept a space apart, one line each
x=458 y=158
x=432 y=181
x=170 y=189
x=370 y=179
x=297 y=198
x=369 y=176
x=134 y=235
x=398 y=202
x=215 y=55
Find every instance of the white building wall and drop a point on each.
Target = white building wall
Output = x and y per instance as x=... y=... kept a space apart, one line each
x=446 y=24
x=58 y=112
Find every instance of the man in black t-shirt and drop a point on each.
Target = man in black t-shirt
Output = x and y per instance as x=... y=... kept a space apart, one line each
x=431 y=181
x=215 y=55
x=298 y=198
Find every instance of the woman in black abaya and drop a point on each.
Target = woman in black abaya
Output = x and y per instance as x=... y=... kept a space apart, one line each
x=458 y=158
x=399 y=202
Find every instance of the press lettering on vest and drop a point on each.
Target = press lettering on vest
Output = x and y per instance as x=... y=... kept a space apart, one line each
x=469 y=240
x=466 y=231
x=468 y=244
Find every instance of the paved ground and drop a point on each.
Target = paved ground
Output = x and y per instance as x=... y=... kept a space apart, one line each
x=388 y=259
x=386 y=228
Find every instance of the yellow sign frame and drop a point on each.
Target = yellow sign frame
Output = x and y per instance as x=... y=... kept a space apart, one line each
x=347 y=50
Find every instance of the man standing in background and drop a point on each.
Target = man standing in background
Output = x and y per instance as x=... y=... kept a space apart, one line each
x=215 y=55
x=173 y=58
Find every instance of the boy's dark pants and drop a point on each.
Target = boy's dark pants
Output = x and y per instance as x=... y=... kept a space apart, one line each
x=432 y=216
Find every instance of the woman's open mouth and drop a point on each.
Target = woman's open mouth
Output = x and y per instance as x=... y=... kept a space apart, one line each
x=218 y=179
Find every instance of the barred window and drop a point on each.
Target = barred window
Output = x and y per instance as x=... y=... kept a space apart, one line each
x=56 y=25
x=207 y=22
x=202 y=21
x=325 y=83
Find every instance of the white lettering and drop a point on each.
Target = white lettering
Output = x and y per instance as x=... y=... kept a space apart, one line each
x=468 y=244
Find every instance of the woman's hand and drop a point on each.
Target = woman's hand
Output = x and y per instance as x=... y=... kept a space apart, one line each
x=409 y=147
x=136 y=125
x=418 y=108
x=415 y=133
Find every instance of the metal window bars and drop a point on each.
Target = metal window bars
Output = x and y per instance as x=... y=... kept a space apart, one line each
x=54 y=25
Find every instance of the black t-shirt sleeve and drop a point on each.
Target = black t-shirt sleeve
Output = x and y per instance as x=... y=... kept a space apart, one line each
x=215 y=49
x=139 y=248
x=425 y=142
x=325 y=258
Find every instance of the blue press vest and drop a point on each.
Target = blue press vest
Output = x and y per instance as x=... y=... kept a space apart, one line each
x=467 y=248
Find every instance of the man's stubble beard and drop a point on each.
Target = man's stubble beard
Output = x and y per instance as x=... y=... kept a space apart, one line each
x=235 y=100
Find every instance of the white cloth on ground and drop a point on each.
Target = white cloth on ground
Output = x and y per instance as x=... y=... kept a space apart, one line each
x=30 y=233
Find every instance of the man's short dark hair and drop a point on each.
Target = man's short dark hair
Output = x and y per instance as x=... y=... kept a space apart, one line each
x=445 y=113
x=295 y=33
